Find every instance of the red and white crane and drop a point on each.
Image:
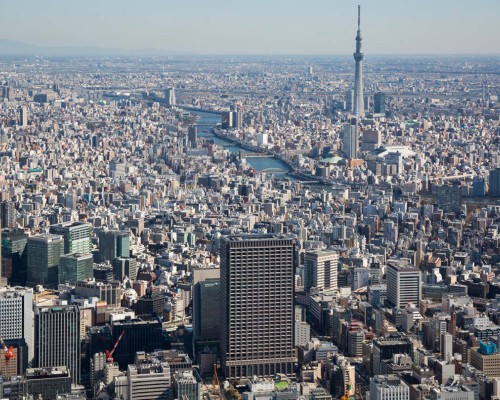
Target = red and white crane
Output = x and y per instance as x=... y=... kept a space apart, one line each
x=109 y=354
x=9 y=354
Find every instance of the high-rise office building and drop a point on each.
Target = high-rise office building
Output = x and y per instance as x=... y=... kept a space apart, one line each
x=355 y=338
x=257 y=290
x=227 y=120
x=77 y=236
x=170 y=96
x=109 y=292
x=385 y=348
x=478 y=186
x=206 y=315
x=23 y=117
x=118 y=168
x=57 y=338
x=449 y=198
x=188 y=385
x=8 y=213
x=379 y=103
x=350 y=144
x=113 y=244
x=437 y=326
x=149 y=378
x=349 y=100
x=193 y=136
x=446 y=346
x=302 y=334
x=486 y=359
x=16 y=316
x=372 y=138
x=48 y=383
x=44 y=252
x=404 y=285
x=388 y=387
x=391 y=231
x=461 y=392
x=206 y=311
x=145 y=334
x=238 y=117
x=151 y=304
x=494 y=181
x=359 y=109
x=14 y=256
x=125 y=267
x=321 y=268
x=6 y=92
x=75 y=267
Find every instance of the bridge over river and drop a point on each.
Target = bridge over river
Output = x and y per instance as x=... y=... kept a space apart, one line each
x=272 y=171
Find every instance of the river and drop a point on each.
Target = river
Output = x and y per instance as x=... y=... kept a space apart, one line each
x=205 y=124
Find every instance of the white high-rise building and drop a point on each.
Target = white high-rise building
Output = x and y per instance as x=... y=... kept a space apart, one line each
x=446 y=346
x=16 y=316
x=404 y=285
x=388 y=387
x=452 y=393
x=302 y=333
x=321 y=270
x=170 y=96
x=149 y=379
x=348 y=377
x=437 y=327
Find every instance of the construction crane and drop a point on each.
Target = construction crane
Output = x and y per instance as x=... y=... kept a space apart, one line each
x=346 y=394
x=9 y=354
x=215 y=380
x=109 y=354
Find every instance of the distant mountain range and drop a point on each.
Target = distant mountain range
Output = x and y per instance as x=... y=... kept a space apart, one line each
x=14 y=48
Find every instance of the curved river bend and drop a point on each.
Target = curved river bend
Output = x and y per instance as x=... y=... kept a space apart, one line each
x=208 y=121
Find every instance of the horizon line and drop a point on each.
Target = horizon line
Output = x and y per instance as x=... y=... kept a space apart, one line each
x=181 y=53
x=152 y=52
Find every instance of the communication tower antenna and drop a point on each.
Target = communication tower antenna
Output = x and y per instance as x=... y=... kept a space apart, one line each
x=359 y=17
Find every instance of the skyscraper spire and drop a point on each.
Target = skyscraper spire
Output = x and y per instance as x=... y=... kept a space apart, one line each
x=359 y=109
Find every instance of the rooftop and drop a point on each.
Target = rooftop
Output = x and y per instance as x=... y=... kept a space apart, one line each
x=254 y=238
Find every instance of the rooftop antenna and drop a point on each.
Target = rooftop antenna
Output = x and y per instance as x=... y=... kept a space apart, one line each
x=359 y=17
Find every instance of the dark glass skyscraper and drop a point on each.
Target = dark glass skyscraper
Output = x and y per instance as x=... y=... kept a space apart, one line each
x=113 y=244
x=144 y=334
x=8 y=214
x=14 y=255
x=44 y=252
x=379 y=103
x=75 y=267
x=257 y=290
x=206 y=325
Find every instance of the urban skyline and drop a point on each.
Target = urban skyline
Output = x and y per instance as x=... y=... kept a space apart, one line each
x=248 y=227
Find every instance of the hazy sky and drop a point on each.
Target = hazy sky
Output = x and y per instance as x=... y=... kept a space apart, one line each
x=257 y=26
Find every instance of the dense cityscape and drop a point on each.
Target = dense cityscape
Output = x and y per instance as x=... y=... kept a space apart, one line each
x=250 y=227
